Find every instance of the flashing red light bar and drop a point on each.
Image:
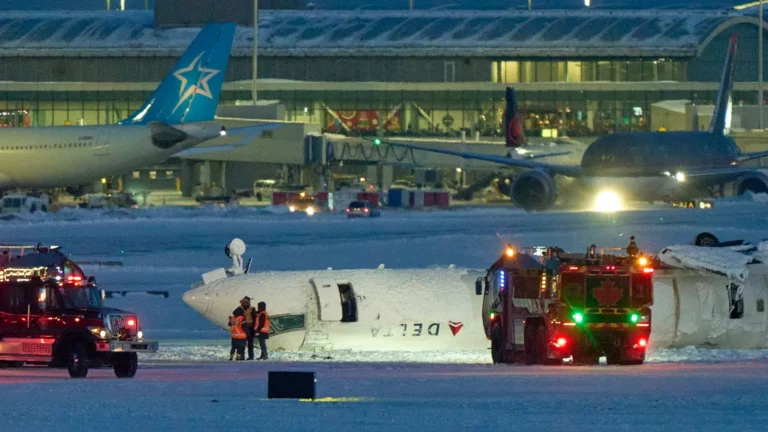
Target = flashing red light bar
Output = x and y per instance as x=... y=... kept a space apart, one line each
x=570 y=324
x=647 y=270
x=642 y=342
x=610 y=268
x=643 y=325
x=573 y=268
x=131 y=322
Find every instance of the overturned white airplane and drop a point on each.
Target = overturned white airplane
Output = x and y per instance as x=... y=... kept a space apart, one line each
x=704 y=296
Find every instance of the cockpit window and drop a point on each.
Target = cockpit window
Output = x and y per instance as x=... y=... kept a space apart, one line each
x=286 y=323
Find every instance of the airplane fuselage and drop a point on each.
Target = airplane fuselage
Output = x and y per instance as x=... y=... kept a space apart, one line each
x=645 y=165
x=649 y=154
x=393 y=309
x=73 y=155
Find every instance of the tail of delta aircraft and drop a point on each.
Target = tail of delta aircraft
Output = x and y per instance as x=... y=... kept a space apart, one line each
x=720 y=116
x=512 y=122
x=190 y=92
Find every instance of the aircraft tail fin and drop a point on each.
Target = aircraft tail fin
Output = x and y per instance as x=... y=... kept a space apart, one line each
x=191 y=91
x=722 y=103
x=512 y=122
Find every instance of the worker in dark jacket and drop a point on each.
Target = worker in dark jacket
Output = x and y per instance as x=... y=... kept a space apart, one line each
x=249 y=312
x=262 y=329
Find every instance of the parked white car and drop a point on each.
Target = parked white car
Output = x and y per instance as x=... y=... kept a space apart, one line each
x=20 y=202
x=263 y=189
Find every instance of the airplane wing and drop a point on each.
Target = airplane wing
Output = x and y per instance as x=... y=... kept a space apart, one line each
x=752 y=156
x=721 y=174
x=528 y=162
x=246 y=136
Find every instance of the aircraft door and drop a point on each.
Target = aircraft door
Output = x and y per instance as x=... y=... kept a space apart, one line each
x=329 y=302
x=101 y=144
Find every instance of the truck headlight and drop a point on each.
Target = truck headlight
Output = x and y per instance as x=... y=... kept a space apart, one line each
x=100 y=332
x=140 y=335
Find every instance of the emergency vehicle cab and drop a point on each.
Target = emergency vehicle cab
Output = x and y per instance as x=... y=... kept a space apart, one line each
x=543 y=305
x=51 y=314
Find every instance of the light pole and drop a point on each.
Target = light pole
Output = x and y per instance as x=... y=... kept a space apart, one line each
x=255 y=49
x=760 y=66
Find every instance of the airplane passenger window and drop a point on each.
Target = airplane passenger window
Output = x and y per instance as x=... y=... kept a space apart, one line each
x=285 y=323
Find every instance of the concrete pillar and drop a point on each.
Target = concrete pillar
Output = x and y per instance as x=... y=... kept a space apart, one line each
x=591 y=114
x=223 y=176
x=387 y=176
x=372 y=174
x=187 y=178
x=205 y=173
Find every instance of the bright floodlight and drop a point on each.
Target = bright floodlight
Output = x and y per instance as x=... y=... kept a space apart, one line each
x=310 y=211
x=680 y=177
x=607 y=201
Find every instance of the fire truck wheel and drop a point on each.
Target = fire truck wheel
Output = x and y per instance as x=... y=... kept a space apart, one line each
x=530 y=345
x=125 y=365
x=496 y=353
x=541 y=345
x=613 y=358
x=77 y=361
x=631 y=362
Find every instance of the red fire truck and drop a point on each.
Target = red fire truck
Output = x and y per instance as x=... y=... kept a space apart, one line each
x=543 y=305
x=51 y=314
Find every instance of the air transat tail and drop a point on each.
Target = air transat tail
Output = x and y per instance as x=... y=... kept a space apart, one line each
x=191 y=91
x=720 y=118
x=512 y=121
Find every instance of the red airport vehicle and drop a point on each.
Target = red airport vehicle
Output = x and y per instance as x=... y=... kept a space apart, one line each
x=52 y=314
x=543 y=305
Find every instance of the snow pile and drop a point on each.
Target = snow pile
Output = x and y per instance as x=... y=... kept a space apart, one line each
x=728 y=262
x=703 y=355
x=219 y=351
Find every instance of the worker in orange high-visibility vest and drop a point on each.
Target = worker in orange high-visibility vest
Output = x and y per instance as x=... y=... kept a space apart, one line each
x=238 y=335
x=262 y=329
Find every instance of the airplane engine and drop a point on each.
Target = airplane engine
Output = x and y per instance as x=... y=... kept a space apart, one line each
x=534 y=190
x=755 y=182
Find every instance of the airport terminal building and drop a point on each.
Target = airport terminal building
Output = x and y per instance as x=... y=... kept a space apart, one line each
x=585 y=72
x=422 y=73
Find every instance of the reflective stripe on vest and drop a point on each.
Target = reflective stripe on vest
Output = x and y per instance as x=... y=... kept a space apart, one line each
x=264 y=329
x=249 y=316
x=237 y=328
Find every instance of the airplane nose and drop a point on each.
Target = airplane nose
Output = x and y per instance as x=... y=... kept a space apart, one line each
x=197 y=301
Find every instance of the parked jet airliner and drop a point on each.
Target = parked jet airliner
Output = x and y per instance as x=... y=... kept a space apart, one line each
x=641 y=165
x=175 y=118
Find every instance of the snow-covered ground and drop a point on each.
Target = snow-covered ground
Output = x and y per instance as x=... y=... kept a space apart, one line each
x=716 y=397
x=188 y=386
x=169 y=248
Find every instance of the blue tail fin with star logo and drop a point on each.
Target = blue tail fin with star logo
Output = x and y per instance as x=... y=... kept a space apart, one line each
x=190 y=92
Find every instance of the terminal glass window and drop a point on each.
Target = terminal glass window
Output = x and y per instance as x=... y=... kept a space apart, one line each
x=506 y=72
x=575 y=71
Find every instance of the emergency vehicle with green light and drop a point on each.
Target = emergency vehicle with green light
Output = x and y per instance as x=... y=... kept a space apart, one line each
x=543 y=305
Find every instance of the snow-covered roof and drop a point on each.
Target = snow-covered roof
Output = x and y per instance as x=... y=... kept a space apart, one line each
x=422 y=33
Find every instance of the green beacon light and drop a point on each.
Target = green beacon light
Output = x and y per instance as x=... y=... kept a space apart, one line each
x=578 y=318
x=376 y=141
x=634 y=317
